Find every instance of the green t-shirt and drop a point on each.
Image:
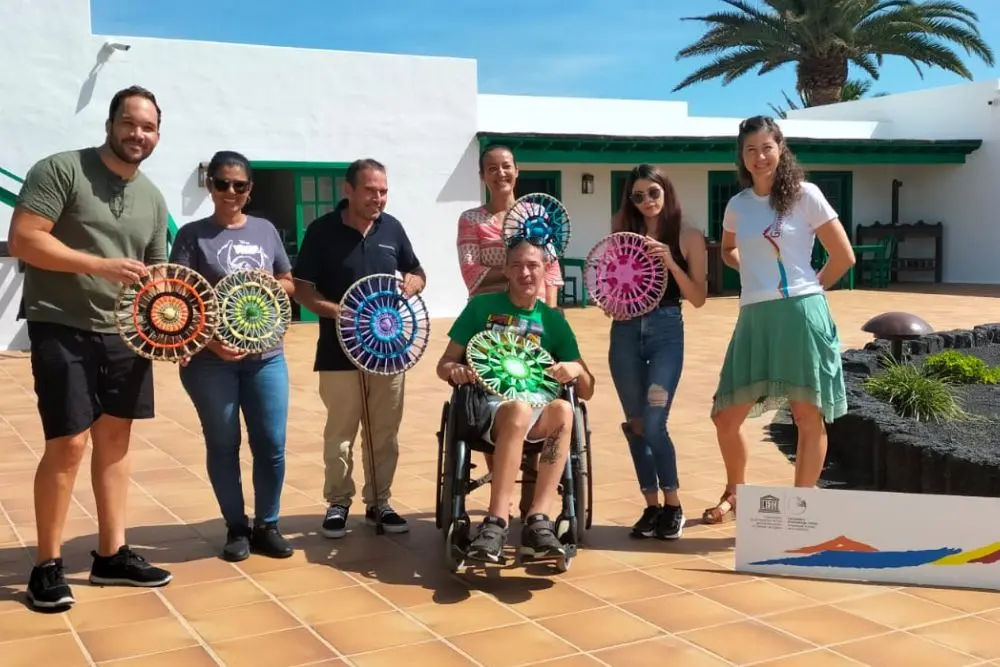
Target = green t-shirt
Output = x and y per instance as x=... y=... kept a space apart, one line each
x=95 y=212
x=495 y=311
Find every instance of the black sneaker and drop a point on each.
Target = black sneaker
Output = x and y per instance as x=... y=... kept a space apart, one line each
x=646 y=525
x=268 y=541
x=670 y=525
x=127 y=568
x=335 y=521
x=47 y=587
x=391 y=522
x=237 y=543
x=539 y=539
x=489 y=543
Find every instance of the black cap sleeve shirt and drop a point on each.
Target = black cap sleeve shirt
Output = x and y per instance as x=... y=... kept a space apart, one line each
x=333 y=256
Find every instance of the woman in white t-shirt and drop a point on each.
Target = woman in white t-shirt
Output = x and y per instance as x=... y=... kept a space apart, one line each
x=785 y=345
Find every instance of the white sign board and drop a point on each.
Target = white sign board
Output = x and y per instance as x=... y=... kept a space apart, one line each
x=899 y=538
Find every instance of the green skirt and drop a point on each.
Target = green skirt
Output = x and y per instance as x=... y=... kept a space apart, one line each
x=784 y=350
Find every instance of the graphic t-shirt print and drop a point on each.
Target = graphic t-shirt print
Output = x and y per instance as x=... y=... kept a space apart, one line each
x=772 y=234
x=499 y=323
x=241 y=255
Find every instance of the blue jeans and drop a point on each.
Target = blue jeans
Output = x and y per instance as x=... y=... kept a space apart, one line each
x=220 y=390
x=646 y=358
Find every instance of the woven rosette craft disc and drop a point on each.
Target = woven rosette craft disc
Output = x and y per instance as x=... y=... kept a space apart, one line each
x=541 y=220
x=382 y=331
x=254 y=311
x=624 y=279
x=169 y=314
x=512 y=367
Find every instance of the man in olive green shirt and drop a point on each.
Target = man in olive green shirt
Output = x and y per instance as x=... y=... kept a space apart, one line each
x=85 y=222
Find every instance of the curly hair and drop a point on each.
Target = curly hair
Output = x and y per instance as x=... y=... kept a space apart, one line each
x=788 y=176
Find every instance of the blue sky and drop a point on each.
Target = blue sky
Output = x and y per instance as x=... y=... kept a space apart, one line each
x=582 y=48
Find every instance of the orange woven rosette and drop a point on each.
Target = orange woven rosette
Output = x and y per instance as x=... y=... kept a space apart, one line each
x=169 y=314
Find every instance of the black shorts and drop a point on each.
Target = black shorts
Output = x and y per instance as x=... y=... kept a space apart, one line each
x=81 y=375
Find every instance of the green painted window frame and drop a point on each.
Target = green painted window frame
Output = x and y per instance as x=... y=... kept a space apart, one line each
x=586 y=149
x=298 y=169
x=846 y=209
x=716 y=209
x=616 y=177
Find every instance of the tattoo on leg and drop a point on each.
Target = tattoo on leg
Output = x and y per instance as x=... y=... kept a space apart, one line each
x=550 y=448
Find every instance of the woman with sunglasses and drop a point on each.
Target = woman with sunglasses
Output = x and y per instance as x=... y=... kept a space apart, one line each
x=222 y=382
x=481 y=248
x=785 y=346
x=646 y=354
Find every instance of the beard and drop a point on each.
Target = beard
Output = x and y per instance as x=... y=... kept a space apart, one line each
x=118 y=148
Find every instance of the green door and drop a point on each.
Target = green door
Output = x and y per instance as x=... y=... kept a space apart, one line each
x=618 y=179
x=317 y=192
x=722 y=186
x=546 y=182
x=838 y=188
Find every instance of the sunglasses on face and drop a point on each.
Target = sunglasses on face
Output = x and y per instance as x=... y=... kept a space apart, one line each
x=222 y=185
x=638 y=197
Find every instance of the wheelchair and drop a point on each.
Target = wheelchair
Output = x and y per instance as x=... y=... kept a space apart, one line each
x=455 y=482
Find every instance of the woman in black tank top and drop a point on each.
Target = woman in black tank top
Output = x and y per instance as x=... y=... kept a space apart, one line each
x=646 y=354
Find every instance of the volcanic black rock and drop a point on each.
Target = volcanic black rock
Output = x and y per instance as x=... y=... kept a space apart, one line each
x=872 y=447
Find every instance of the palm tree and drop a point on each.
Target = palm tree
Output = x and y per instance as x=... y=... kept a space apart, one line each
x=854 y=89
x=824 y=37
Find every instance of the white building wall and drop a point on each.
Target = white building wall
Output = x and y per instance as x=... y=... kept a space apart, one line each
x=415 y=114
x=642 y=118
x=966 y=198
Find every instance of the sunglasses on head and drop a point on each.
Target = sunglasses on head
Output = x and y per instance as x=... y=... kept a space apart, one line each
x=757 y=123
x=653 y=194
x=222 y=185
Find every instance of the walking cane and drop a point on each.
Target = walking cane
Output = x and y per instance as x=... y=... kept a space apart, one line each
x=382 y=332
x=368 y=448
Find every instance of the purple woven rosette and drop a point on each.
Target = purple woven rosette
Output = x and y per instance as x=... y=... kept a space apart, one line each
x=381 y=331
x=623 y=278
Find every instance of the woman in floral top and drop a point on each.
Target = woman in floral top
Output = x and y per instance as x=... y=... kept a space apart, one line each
x=481 y=249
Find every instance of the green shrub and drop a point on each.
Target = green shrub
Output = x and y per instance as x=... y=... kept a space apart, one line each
x=914 y=394
x=960 y=368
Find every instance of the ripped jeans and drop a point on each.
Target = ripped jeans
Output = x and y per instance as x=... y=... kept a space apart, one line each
x=646 y=358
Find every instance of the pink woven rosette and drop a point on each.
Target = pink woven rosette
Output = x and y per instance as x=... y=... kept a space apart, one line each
x=623 y=278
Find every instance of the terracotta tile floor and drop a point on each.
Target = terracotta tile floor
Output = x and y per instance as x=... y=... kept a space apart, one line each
x=384 y=601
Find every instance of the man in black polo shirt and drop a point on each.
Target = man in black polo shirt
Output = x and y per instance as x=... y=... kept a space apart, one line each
x=355 y=240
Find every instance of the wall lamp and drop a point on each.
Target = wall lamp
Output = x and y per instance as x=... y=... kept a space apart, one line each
x=202 y=174
x=587 y=184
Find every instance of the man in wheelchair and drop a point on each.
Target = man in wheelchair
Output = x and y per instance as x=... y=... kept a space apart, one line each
x=514 y=423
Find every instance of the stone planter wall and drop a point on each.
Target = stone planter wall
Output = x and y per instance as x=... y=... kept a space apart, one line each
x=878 y=450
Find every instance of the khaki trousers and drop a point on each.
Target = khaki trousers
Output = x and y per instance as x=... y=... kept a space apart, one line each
x=341 y=394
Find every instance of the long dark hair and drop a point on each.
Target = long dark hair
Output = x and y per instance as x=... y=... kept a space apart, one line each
x=629 y=218
x=788 y=176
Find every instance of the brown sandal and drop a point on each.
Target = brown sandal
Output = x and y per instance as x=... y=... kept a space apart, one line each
x=723 y=512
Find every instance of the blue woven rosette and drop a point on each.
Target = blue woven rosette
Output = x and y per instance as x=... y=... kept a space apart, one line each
x=541 y=220
x=382 y=331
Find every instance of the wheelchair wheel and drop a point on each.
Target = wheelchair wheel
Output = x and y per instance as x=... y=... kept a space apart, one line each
x=584 y=474
x=454 y=519
x=442 y=434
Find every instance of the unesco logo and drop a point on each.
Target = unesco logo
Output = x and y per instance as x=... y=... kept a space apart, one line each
x=770 y=505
